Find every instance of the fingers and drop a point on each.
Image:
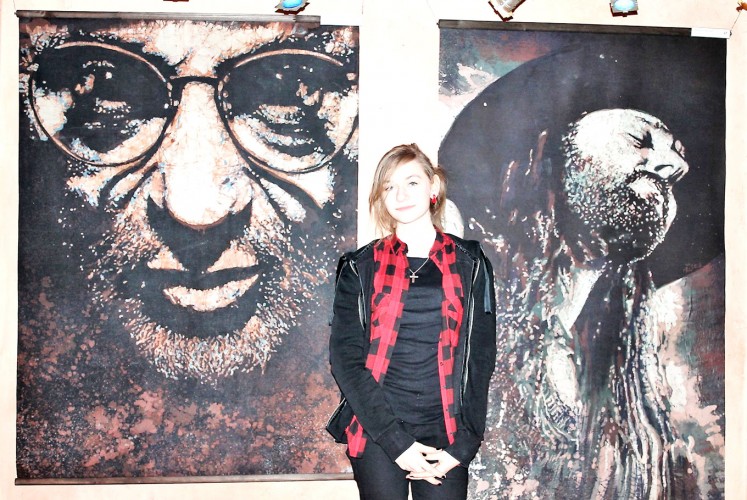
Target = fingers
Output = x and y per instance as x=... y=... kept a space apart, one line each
x=432 y=474
x=420 y=466
x=413 y=459
x=418 y=477
x=442 y=470
x=423 y=449
x=425 y=476
x=444 y=463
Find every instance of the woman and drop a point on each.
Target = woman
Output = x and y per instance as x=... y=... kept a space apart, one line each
x=413 y=341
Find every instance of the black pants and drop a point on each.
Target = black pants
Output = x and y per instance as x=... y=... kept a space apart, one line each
x=379 y=478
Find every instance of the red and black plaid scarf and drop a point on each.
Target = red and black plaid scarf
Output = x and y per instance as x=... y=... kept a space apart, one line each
x=390 y=285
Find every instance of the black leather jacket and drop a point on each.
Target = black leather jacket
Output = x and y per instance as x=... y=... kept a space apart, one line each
x=474 y=357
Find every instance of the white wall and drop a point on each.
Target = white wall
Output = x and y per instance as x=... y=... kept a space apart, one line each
x=398 y=79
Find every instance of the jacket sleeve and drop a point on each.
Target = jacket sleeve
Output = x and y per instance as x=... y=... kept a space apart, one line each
x=348 y=347
x=481 y=354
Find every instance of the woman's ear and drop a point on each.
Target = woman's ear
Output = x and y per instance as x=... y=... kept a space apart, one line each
x=436 y=185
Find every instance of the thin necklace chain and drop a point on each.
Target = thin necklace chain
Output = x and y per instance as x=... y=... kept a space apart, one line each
x=414 y=274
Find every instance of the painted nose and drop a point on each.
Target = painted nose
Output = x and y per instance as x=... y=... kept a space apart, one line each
x=667 y=164
x=205 y=178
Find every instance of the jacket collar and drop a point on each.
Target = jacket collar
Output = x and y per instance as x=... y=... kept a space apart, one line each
x=468 y=248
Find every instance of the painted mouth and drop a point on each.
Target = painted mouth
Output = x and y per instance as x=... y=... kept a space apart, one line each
x=205 y=304
x=654 y=199
x=207 y=291
x=651 y=187
x=210 y=299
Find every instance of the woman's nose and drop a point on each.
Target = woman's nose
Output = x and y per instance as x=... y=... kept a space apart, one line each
x=667 y=164
x=204 y=175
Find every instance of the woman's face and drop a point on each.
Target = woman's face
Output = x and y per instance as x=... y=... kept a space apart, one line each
x=407 y=193
x=620 y=167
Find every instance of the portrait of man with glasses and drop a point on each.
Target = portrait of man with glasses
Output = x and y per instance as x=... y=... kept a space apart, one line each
x=184 y=189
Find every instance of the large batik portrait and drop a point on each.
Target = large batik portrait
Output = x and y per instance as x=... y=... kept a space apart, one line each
x=591 y=167
x=185 y=188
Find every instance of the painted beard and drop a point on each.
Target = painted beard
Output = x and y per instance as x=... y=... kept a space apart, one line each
x=212 y=326
x=631 y=216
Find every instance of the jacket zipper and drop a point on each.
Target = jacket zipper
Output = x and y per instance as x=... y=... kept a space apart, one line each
x=361 y=308
x=468 y=343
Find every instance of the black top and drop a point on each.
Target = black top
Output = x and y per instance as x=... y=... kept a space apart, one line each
x=350 y=341
x=411 y=383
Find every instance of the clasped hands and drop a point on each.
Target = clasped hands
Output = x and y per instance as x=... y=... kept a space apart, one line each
x=426 y=463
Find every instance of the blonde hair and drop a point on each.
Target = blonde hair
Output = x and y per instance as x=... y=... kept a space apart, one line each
x=389 y=162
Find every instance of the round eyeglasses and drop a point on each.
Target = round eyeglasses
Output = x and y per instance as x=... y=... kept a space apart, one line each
x=290 y=110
